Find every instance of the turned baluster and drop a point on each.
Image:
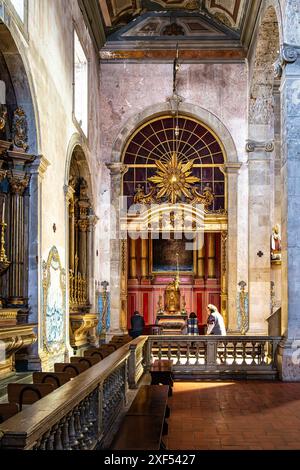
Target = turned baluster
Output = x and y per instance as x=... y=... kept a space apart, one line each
x=72 y=433
x=244 y=352
x=178 y=354
x=57 y=437
x=188 y=353
x=65 y=434
x=86 y=423
x=253 y=353
x=78 y=429
x=42 y=444
x=50 y=440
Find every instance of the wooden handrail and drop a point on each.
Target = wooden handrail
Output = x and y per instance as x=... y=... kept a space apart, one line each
x=25 y=429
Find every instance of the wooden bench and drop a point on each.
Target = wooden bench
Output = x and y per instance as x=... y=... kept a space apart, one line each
x=145 y=422
x=27 y=394
x=56 y=379
x=90 y=361
x=8 y=410
x=95 y=352
x=72 y=369
x=161 y=373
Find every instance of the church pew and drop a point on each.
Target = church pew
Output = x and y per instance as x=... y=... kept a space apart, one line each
x=161 y=373
x=8 y=410
x=145 y=422
x=94 y=352
x=108 y=347
x=91 y=361
x=27 y=394
x=72 y=369
x=56 y=379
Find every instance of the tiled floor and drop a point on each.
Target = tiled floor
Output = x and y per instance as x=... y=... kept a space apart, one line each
x=234 y=415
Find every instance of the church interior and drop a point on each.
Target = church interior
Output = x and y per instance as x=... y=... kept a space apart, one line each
x=149 y=188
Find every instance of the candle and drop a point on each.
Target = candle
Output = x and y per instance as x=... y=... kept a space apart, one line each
x=3 y=211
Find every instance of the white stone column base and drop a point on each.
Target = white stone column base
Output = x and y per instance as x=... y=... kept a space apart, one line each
x=288 y=360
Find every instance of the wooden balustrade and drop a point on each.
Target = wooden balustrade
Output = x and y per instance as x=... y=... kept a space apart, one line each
x=82 y=414
x=216 y=356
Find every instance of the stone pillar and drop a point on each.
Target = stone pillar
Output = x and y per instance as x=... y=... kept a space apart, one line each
x=288 y=358
x=117 y=170
x=260 y=195
x=29 y=358
x=232 y=170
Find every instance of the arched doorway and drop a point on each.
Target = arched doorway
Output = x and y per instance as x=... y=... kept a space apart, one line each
x=81 y=224
x=19 y=199
x=185 y=151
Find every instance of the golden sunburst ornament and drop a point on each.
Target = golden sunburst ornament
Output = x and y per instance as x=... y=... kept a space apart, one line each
x=174 y=179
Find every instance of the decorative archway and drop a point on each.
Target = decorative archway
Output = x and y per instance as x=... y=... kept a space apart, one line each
x=194 y=153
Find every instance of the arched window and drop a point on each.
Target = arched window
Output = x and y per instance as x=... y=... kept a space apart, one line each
x=163 y=136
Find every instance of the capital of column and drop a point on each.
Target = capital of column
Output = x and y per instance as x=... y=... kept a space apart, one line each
x=18 y=181
x=288 y=55
x=254 y=146
x=69 y=193
x=39 y=166
x=83 y=225
x=93 y=220
x=117 y=169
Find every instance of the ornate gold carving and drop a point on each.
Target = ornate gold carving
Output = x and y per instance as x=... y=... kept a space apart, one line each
x=3 y=118
x=4 y=263
x=19 y=181
x=20 y=129
x=174 y=179
x=14 y=338
x=77 y=287
x=82 y=328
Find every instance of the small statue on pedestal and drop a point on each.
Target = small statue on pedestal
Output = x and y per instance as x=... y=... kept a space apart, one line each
x=276 y=244
x=160 y=310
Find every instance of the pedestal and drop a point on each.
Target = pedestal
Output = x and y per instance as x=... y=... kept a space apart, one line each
x=171 y=324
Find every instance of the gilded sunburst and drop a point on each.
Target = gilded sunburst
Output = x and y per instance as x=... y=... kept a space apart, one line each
x=174 y=179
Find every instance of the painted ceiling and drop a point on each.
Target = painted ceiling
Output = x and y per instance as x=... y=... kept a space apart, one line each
x=118 y=13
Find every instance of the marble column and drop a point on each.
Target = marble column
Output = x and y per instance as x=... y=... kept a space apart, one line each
x=260 y=196
x=117 y=302
x=232 y=170
x=288 y=358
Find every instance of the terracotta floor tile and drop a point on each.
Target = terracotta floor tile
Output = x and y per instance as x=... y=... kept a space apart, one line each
x=234 y=416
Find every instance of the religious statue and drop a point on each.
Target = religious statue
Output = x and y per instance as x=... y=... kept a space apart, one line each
x=173 y=293
x=160 y=310
x=276 y=244
x=173 y=297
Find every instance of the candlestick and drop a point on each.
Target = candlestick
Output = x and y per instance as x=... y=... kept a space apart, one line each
x=3 y=210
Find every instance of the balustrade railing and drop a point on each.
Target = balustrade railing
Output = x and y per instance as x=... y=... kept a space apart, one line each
x=81 y=414
x=215 y=355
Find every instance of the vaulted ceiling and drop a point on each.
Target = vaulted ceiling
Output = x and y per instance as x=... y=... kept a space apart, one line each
x=150 y=29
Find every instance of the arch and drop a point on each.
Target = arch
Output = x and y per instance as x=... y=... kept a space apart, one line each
x=266 y=51
x=13 y=54
x=77 y=148
x=188 y=109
